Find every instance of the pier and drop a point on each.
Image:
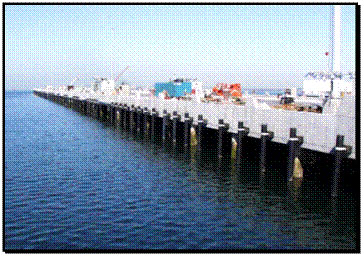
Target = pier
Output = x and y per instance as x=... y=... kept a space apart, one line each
x=330 y=133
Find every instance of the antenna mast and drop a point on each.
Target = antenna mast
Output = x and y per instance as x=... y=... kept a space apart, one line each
x=113 y=54
x=336 y=66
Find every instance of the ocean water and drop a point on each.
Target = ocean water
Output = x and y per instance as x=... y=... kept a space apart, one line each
x=72 y=182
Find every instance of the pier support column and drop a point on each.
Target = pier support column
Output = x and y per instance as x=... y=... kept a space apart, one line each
x=166 y=120
x=177 y=130
x=112 y=114
x=77 y=105
x=294 y=144
x=93 y=110
x=108 y=113
x=341 y=151
x=242 y=133
x=201 y=125
x=139 y=113
x=97 y=109
x=187 y=131
x=122 y=115
x=117 y=116
x=126 y=117
x=103 y=112
x=132 y=114
x=224 y=141
x=145 y=122
x=153 y=124
x=264 y=138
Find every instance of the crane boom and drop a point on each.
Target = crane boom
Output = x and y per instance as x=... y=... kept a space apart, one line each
x=73 y=81
x=121 y=73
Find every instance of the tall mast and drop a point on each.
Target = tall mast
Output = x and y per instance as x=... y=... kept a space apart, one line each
x=113 y=55
x=337 y=39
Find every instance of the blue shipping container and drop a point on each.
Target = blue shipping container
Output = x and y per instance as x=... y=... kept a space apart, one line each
x=174 y=89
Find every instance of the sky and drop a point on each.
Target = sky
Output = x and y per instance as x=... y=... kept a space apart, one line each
x=258 y=46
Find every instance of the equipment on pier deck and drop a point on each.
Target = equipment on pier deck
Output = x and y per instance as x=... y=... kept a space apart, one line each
x=179 y=87
x=226 y=91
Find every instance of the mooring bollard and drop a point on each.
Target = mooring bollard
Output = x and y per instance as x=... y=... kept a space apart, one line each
x=264 y=138
x=224 y=140
x=187 y=131
x=341 y=151
x=242 y=133
x=294 y=144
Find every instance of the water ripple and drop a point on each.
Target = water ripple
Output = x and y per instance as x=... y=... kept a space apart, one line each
x=73 y=183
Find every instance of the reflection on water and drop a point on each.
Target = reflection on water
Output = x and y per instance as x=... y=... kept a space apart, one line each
x=72 y=183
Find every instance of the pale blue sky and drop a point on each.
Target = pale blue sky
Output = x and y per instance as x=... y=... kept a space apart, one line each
x=257 y=46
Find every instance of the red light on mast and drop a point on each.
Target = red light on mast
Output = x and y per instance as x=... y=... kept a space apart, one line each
x=327 y=53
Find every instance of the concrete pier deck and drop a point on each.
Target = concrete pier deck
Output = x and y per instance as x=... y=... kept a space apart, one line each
x=319 y=130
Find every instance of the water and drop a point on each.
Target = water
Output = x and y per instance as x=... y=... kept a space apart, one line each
x=72 y=182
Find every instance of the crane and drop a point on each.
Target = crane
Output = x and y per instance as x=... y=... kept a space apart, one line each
x=121 y=73
x=73 y=81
